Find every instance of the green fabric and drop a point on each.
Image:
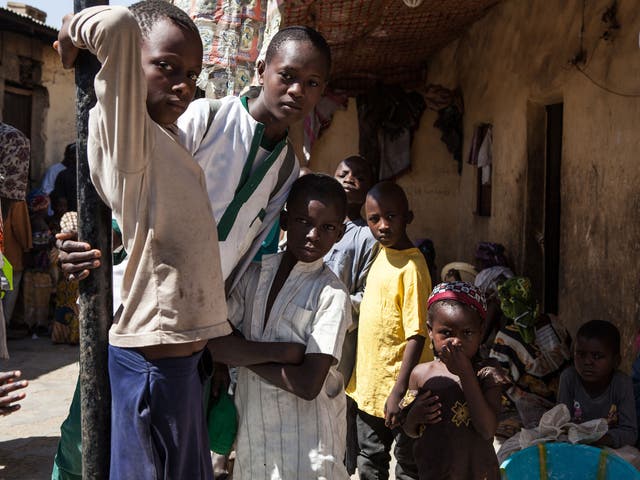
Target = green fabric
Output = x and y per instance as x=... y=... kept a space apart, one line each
x=67 y=464
x=7 y=271
x=270 y=244
x=518 y=304
x=115 y=226
x=248 y=184
x=222 y=422
x=118 y=254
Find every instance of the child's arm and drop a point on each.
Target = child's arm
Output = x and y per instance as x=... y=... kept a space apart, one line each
x=484 y=406
x=8 y=384
x=410 y=359
x=328 y=326
x=625 y=430
x=425 y=409
x=113 y=36
x=64 y=46
x=566 y=387
x=304 y=380
x=236 y=351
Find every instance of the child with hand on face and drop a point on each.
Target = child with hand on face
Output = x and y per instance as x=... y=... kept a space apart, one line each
x=594 y=388
x=291 y=414
x=391 y=335
x=454 y=401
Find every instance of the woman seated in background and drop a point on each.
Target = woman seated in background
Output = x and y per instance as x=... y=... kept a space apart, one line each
x=533 y=348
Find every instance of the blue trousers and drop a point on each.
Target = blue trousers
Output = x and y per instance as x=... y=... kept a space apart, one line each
x=158 y=429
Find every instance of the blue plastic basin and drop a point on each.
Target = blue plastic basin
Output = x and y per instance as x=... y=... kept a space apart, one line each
x=565 y=461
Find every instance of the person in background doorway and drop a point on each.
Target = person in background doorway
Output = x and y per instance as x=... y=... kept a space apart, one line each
x=49 y=179
x=65 y=192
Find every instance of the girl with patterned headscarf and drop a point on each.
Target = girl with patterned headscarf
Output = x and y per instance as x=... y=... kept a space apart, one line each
x=533 y=348
x=453 y=402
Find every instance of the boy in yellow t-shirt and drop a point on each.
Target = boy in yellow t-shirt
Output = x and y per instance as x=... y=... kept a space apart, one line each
x=391 y=335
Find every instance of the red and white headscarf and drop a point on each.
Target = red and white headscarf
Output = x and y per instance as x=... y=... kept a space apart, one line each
x=462 y=292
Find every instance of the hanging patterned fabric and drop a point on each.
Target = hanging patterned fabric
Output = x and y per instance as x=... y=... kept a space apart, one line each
x=14 y=162
x=231 y=32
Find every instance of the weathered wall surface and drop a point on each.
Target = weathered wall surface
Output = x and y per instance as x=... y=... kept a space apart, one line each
x=338 y=142
x=53 y=96
x=60 y=122
x=513 y=61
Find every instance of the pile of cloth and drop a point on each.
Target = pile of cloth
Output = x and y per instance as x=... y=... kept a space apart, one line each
x=556 y=426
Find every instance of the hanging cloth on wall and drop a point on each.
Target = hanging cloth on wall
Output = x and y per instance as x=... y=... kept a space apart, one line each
x=450 y=107
x=232 y=34
x=481 y=151
x=387 y=117
x=485 y=157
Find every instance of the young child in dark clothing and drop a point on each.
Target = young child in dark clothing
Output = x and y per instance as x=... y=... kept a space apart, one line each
x=594 y=388
x=454 y=401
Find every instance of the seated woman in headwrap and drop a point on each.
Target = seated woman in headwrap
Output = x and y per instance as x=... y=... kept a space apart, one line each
x=487 y=281
x=533 y=348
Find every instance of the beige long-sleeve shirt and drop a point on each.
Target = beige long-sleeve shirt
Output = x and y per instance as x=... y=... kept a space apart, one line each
x=172 y=288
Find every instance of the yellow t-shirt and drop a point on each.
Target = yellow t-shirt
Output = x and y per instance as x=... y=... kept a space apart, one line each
x=394 y=308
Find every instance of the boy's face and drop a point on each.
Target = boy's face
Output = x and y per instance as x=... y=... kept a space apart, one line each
x=387 y=219
x=312 y=228
x=594 y=361
x=171 y=60
x=293 y=81
x=456 y=327
x=355 y=179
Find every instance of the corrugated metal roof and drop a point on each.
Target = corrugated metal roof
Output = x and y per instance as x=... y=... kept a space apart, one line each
x=24 y=24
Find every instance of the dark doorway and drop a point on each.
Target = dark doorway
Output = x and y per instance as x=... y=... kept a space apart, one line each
x=552 y=208
x=542 y=218
x=16 y=110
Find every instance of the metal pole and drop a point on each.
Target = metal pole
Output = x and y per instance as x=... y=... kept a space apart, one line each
x=94 y=225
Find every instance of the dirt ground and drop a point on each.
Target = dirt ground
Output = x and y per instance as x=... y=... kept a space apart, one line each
x=29 y=437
